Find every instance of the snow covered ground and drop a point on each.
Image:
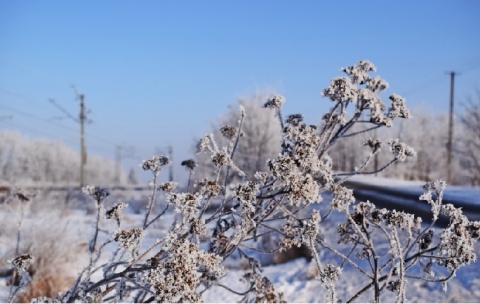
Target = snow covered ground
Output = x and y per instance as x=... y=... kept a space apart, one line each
x=73 y=224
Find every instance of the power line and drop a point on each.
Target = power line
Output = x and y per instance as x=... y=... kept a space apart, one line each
x=52 y=101
x=424 y=85
x=468 y=66
x=29 y=129
x=43 y=132
x=49 y=121
x=29 y=115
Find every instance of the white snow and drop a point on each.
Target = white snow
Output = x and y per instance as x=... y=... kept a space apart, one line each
x=295 y=279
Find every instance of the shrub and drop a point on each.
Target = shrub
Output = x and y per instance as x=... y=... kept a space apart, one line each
x=389 y=248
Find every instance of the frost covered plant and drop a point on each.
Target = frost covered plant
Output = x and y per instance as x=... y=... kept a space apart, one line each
x=21 y=265
x=229 y=132
x=156 y=163
x=177 y=276
x=329 y=275
x=400 y=150
x=129 y=239
x=99 y=194
x=115 y=212
x=189 y=163
x=275 y=102
x=168 y=187
x=219 y=219
x=22 y=262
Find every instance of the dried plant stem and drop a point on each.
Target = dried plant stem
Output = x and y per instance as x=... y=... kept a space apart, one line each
x=361 y=132
x=152 y=200
x=158 y=216
x=402 y=289
x=189 y=180
x=368 y=172
x=93 y=242
x=237 y=139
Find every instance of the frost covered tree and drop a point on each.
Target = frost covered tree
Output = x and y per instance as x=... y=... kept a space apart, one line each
x=24 y=160
x=470 y=139
x=425 y=132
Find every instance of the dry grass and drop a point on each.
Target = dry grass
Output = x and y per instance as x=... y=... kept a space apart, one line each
x=292 y=254
x=55 y=246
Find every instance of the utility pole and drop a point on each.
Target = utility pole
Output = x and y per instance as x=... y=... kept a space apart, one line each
x=450 y=127
x=170 y=155
x=82 y=119
x=121 y=152
x=83 y=157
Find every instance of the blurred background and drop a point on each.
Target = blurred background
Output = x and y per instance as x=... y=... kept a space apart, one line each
x=152 y=77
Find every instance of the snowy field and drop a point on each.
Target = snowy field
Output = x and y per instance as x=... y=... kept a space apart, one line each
x=62 y=229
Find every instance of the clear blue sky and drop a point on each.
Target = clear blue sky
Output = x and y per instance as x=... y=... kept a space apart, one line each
x=156 y=73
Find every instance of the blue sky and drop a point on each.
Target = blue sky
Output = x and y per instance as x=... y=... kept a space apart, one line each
x=157 y=73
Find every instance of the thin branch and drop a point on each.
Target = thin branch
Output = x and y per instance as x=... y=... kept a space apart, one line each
x=158 y=216
x=152 y=199
x=236 y=292
x=360 y=132
x=367 y=173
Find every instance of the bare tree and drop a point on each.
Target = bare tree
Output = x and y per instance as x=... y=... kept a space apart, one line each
x=24 y=160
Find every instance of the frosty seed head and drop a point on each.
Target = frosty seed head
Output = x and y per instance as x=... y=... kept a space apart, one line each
x=398 y=108
x=115 y=212
x=168 y=187
x=374 y=144
x=274 y=102
x=341 y=90
x=330 y=273
x=295 y=119
x=128 y=238
x=22 y=262
x=202 y=144
x=228 y=132
x=189 y=164
x=155 y=163
x=23 y=195
x=221 y=159
x=97 y=193
x=400 y=150
x=210 y=187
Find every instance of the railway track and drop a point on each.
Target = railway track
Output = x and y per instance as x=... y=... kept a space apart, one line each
x=400 y=199
x=408 y=201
